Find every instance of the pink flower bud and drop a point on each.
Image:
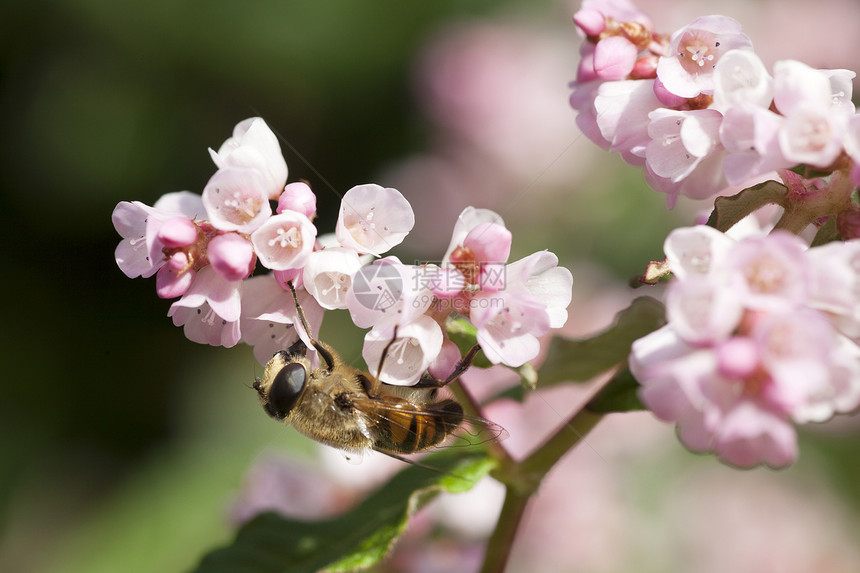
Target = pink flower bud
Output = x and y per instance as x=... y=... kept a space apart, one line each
x=231 y=256
x=737 y=358
x=177 y=232
x=590 y=21
x=645 y=68
x=614 y=58
x=175 y=277
x=298 y=197
x=490 y=243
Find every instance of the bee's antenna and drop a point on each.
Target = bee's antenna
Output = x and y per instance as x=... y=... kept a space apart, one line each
x=385 y=353
x=323 y=351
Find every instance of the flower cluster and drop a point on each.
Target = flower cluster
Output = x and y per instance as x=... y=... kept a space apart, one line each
x=759 y=335
x=204 y=249
x=698 y=110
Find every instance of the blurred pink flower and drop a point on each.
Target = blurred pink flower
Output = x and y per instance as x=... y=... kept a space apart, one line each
x=744 y=353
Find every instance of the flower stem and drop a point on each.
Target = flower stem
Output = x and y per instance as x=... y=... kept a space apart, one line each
x=566 y=437
x=522 y=480
x=502 y=539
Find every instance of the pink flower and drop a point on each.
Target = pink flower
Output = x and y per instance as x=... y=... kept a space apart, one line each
x=740 y=78
x=814 y=128
x=745 y=352
x=209 y=310
x=417 y=345
x=547 y=282
x=482 y=255
x=328 y=275
x=681 y=140
x=509 y=323
x=269 y=318
x=254 y=146
x=133 y=255
x=373 y=219
x=834 y=287
x=235 y=199
x=685 y=156
x=284 y=241
x=623 y=114
x=468 y=219
x=140 y=253
x=695 y=50
x=386 y=293
x=750 y=135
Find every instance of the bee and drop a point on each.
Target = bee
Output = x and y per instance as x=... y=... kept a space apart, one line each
x=341 y=406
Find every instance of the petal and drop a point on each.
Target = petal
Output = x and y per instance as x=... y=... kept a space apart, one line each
x=614 y=58
x=691 y=250
x=328 y=275
x=386 y=293
x=466 y=221
x=236 y=200
x=255 y=146
x=741 y=78
x=702 y=310
x=417 y=345
x=182 y=202
x=284 y=241
x=298 y=197
x=373 y=219
x=489 y=242
x=750 y=436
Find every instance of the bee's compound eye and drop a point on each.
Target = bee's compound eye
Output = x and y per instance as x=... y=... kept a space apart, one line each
x=287 y=387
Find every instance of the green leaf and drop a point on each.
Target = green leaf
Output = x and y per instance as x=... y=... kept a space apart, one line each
x=582 y=360
x=729 y=210
x=619 y=395
x=356 y=540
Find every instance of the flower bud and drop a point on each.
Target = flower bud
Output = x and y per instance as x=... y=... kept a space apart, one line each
x=177 y=232
x=298 y=197
x=231 y=256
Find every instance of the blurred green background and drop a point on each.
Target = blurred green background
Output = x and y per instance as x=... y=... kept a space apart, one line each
x=121 y=442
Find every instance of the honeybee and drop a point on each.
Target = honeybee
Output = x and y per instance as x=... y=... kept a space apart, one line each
x=349 y=409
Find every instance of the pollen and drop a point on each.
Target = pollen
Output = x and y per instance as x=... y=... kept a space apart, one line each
x=287 y=238
x=243 y=209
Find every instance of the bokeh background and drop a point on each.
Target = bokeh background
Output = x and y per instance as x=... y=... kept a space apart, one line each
x=125 y=447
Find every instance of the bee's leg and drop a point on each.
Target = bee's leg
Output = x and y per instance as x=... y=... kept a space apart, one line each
x=322 y=350
x=428 y=381
x=385 y=353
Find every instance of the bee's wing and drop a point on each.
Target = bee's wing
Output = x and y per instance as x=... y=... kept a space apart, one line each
x=474 y=431
x=395 y=423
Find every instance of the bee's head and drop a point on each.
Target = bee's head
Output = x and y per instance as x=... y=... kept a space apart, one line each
x=282 y=384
